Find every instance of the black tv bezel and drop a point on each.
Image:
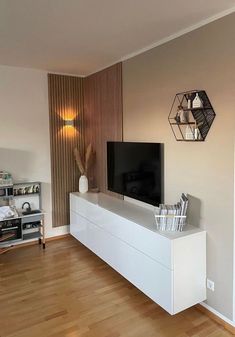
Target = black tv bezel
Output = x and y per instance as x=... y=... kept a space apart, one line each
x=162 y=173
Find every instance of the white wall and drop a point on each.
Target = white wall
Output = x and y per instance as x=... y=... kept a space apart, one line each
x=202 y=59
x=24 y=131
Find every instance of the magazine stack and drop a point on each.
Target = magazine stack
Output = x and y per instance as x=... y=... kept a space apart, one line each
x=172 y=217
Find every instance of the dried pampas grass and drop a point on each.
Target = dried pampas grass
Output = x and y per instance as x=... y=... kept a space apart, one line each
x=88 y=157
x=79 y=161
x=83 y=168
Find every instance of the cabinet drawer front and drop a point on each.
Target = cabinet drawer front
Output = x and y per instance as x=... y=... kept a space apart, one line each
x=146 y=274
x=150 y=243
x=83 y=207
x=78 y=227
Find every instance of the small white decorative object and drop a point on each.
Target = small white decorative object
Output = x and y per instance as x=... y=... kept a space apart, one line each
x=189 y=103
x=196 y=134
x=183 y=115
x=83 y=184
x=189 y=133
x=197 y=102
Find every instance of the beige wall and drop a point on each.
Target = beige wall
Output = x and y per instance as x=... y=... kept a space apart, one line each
x=24 y=131
x=203 y=59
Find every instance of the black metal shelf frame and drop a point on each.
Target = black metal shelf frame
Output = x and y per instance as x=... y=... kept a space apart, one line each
x=202 y=117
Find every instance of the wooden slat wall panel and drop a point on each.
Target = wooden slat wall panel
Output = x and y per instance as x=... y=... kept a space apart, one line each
x=65 y=103
x=102 y=117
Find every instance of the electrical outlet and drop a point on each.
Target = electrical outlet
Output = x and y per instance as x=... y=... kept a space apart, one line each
x=210 y=285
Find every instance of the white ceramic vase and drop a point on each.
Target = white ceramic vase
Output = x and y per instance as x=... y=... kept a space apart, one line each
x=83 y=184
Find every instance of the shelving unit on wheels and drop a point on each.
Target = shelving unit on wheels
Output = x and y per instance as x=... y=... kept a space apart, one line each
x=198 y=118
x=25 y=225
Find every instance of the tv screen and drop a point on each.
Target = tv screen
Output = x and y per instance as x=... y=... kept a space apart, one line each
x=135 y=170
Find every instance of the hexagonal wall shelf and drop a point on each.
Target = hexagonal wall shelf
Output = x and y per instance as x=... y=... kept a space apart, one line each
x=191 y=116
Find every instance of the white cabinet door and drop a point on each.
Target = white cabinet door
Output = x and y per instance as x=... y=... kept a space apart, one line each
x=78 y=227
x=146 y=274
x=150 y=243
x=189 y=271
x=83 y=207
x=172 y=272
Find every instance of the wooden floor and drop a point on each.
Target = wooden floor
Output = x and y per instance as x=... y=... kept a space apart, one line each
x=67 y=291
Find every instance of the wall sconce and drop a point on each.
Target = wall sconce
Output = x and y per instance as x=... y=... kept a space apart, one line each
x=69 y=122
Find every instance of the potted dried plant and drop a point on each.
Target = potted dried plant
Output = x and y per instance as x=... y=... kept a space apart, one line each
x=83 y=167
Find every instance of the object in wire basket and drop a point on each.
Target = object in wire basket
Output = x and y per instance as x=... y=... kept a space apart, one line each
x=172 y=217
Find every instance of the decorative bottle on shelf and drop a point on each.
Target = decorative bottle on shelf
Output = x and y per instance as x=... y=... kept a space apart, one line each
x=197 y=102
x=83 y=184
x=189 y=103
x=197 y=134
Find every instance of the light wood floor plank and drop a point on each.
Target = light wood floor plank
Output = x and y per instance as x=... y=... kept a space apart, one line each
x=67 y=291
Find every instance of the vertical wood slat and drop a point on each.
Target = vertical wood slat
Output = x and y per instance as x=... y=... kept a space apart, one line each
x=65 y=102
x=103 y=117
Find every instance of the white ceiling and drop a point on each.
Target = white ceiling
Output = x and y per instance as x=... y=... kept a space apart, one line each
x=83 y=36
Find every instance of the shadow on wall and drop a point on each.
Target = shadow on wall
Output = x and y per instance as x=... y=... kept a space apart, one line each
x=194 y=211
x=19 y=163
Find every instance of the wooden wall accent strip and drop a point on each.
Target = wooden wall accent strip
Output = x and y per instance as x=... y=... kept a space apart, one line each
x=102 y=117
x=65 y=103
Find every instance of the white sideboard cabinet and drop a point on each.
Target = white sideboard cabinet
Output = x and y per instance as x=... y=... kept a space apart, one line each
x=170 y=268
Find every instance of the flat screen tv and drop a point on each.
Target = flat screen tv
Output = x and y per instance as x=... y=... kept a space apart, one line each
x=135 y=170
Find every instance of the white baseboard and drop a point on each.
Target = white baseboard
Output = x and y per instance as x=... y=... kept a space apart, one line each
x=215 y=312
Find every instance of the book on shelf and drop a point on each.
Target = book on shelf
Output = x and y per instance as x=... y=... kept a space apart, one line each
x=172 y=217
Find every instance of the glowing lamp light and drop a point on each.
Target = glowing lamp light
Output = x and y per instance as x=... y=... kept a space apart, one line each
x=69 y=123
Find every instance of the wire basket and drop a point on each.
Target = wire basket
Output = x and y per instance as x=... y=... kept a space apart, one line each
x=170 y=223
